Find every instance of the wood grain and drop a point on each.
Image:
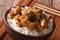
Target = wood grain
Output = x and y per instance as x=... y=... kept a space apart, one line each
x=55 y=35
x=56 y=4
x=48 y=2
x=7 y=37
x=2 y=31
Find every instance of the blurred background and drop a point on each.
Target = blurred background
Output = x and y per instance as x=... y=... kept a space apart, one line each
x=6 y=4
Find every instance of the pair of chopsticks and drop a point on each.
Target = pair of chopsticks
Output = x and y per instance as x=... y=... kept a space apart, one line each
x=45 y=8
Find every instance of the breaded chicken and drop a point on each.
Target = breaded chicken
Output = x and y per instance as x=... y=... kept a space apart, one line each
x=17 y=17
x=44 y=23
x=19 y=24
x=11 y=14
x=24 y=22
x=23 y=12
x=32 y=26
x=23 y=17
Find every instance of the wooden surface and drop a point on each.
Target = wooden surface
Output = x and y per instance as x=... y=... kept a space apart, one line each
x=48 y=2
x=56 y=3
x=55 y=35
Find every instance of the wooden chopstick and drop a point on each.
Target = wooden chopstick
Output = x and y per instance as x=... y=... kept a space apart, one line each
x=19 y=3
x=45 y=10
x=24 y=2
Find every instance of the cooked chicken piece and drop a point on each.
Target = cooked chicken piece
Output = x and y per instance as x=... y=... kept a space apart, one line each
x=48 y=17
x=23 y=17
x=32 y=25
x=19 y=24
x=11 y=14
x=23 y=12
x=17 y=17
x=16 y=9
x=24 y=22
x=44 y=23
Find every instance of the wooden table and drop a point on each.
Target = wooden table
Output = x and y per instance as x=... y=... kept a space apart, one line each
x=55 y=35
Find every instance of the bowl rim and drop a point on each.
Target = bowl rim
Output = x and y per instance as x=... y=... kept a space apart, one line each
x=6 y=23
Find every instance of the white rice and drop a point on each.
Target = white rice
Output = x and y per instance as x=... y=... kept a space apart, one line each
x=26 y=31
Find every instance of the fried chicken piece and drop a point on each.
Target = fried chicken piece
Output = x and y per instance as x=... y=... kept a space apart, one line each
x=17 y=17
x=32 y=25
x=44 y=23
x=23 y=12
x=11 y=14
x=23 y=17
x=24 y=22
x=28 y=24
x=19 y=24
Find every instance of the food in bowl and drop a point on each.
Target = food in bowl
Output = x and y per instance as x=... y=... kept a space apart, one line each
x=30 y=21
